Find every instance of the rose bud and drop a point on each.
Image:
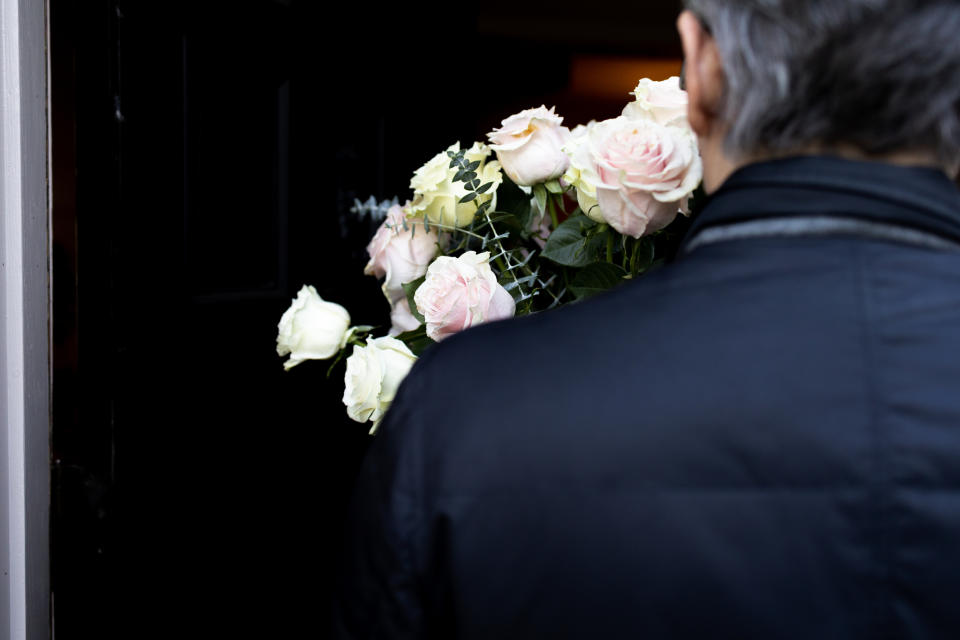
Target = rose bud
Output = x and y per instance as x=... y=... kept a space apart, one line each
x=400 y=251
x=374 y=374
x=312 y=328
x=529 y=146
x=581 y=172
x=663 y=102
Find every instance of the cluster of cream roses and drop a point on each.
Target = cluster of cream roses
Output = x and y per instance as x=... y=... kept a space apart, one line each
x=315 y=329
x=633 y=173
x=457 y=292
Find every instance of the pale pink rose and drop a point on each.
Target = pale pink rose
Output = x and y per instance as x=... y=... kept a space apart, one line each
x=401 y=319
x=663 y=102
x=400 y=252
x=461 y=292
x=529 y=146
x=645 y=172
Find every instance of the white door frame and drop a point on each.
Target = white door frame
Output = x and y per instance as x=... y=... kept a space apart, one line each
x=24 y=323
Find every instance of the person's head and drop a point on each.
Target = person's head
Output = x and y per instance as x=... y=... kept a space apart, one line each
x=874 y=79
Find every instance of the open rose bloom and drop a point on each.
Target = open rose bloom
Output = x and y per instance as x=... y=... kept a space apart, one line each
x=644 y=172
x=636 y=172
x=461 y=292
x=438 y=196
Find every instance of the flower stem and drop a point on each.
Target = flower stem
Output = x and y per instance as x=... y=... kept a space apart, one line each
x=551 y=207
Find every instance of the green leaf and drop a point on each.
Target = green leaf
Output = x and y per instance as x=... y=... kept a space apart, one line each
x=643 y=255
x=468 y=197
x=570 y=245
x=540 y=193
x=473 y=166
x=484 y=187
x=417 y=340
x=553 y=186
x=596 y=278
x=468 y=176
x=410 y=288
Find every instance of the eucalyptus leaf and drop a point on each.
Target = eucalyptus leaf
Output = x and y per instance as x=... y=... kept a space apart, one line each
x=469 y=197
x=506 y=221
x=597 y=278
x=570 y=244
x=484 y=187
x=410 y=288
x=473 y=166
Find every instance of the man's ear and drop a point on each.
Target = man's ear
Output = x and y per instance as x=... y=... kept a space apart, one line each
x=703 y=74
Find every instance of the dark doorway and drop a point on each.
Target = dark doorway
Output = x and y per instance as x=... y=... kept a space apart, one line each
x=205 y=158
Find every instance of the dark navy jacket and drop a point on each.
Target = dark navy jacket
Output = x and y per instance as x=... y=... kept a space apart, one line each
x=759 y=440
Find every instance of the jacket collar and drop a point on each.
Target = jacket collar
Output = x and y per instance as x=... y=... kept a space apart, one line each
x=917 y=197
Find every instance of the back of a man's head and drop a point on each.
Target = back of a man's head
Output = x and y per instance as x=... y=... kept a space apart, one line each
x=876 y=76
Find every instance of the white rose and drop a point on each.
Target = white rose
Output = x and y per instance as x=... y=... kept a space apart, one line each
x=312 y=329
x=663 y=102
x=529 y=146
x=581 y=172
x=437 y=196
x=374 y=374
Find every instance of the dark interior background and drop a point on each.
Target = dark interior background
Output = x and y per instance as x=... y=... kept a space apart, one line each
x=205 y=157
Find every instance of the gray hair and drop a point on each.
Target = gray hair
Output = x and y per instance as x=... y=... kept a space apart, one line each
x=880 y=75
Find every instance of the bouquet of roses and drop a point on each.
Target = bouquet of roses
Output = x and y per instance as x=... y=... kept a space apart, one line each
x=555 y=217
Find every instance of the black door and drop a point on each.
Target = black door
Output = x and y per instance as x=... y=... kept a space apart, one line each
x=206 y=155
x=199 y=488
